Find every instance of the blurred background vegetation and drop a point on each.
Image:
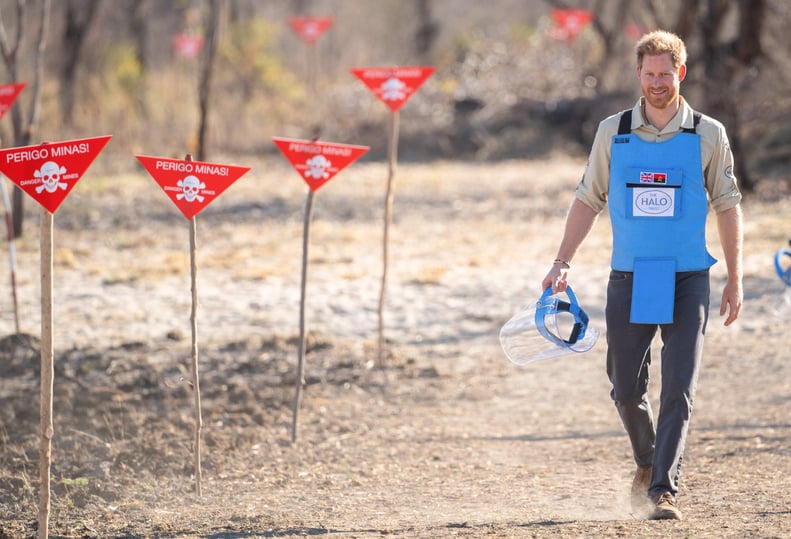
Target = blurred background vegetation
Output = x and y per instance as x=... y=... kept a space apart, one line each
x=509 y=82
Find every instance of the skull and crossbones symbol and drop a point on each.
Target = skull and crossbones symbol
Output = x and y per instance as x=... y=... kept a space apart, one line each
x=189 y=189
x=50 y=174
x=393 y=89
x=317 y=167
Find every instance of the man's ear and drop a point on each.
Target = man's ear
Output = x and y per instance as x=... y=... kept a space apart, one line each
x=682 y=72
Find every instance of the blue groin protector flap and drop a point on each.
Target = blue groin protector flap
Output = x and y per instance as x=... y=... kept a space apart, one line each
x=653 y=291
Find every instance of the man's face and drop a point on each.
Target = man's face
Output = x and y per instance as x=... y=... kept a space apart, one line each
x=659 y=80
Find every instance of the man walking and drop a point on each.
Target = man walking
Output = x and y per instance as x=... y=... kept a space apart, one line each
x=658 y=166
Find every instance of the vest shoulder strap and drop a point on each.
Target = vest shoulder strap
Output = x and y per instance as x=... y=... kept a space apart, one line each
x=695 y=122
x=625 y=124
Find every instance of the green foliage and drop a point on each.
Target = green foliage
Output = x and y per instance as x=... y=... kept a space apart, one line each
x=523 y=34
x=125 y=69
x=247 y=57
x=253 y=87
x=68 y=482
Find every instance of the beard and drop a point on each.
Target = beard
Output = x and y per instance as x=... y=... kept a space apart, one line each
x=660 y=97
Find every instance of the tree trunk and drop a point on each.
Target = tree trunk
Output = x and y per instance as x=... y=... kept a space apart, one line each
x=751 y=22
x=427 y=29
x=78 y=22
x=724 y=63
x=139 y=28
x=210 y=53
x=686 y=18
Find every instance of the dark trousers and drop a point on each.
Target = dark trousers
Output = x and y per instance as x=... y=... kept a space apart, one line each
x=628 y=359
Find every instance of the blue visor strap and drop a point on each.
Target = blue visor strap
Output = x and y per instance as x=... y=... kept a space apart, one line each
x=549 y=305
x=784 y=274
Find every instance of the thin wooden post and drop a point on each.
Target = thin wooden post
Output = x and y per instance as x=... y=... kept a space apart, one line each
x=47 y=374
x=300 y=376
x=194 y=325
x=195 y=377
x=392 y=162
x=313 y=76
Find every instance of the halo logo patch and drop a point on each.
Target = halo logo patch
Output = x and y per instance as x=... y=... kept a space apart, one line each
x=653 y=202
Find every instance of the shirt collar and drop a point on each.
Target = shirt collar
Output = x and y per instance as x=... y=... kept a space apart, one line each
x=682 y=120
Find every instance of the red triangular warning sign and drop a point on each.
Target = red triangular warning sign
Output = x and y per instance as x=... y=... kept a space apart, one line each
x=49 y=171
x=191 y=185
x=8 y=94
x=569 y=23
x=393 y=85
x=317 y=162
x=186 y=45
x=309 y=29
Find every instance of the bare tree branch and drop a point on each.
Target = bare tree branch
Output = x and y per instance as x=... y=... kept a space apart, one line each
x=10 y=55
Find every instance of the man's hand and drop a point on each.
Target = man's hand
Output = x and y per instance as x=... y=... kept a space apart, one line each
x=729 y=225
x=732 y=297
x=557 y=278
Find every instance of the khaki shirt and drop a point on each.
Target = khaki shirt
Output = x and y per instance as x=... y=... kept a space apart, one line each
x=715 y=154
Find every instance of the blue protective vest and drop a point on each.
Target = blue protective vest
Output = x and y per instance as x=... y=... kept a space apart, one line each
x=658 y=207
x=657 y=199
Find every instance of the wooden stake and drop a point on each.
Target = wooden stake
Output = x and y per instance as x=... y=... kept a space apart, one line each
x=392 y=162
x=313 y=77
x=47 y=375
x=194 y=324
x=300 y=376
x=195 y=377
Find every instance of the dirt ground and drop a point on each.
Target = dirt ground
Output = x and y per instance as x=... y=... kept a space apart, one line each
x=444 y=438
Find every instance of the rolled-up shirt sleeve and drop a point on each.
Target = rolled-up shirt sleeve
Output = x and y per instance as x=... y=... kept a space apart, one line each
x=720 y=180
x=594 y=186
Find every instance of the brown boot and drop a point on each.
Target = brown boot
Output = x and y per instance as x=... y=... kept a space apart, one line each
x=665 y=507
x=641 y=503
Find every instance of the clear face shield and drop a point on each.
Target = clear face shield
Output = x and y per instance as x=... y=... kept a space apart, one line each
x=552 y=327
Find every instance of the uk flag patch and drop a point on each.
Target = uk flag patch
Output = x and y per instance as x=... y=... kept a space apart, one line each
x=653 y=177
